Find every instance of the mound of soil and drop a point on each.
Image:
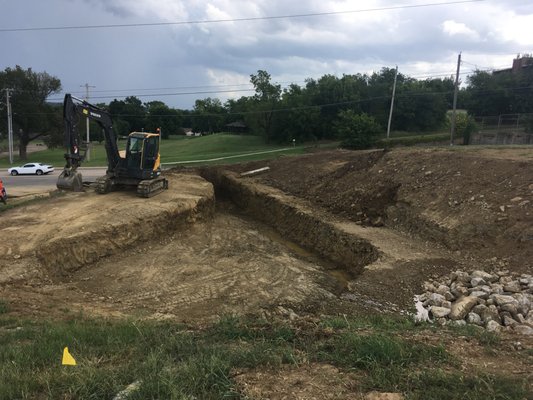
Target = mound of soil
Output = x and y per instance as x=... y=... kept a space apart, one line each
x=477 y=203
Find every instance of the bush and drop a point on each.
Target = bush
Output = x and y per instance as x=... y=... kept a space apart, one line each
x=357 y=131
x=465 y=125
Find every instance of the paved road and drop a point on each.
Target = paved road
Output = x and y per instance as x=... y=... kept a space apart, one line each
x=28 y=184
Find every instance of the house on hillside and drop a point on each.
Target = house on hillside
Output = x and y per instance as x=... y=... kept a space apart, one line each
x=189 y=132
x=236 y=127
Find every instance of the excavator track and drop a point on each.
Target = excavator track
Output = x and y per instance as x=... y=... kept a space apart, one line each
x=151 y=187
x=104 y=184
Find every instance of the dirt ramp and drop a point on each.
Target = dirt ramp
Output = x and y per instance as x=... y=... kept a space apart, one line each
x=79 y=228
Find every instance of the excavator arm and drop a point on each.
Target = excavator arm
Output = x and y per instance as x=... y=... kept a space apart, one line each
x=74 y=110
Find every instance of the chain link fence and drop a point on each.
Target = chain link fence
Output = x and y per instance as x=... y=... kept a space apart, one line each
x=504 y=129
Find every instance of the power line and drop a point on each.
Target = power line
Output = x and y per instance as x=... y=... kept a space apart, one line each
x=320 y=106
x=211 y=21
x=167 y=94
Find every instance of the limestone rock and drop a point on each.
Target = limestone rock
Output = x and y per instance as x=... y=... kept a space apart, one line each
x=490 y=314
x=523 y=330
x=493 y=326
x=477 y=282
x=508 y=319
x=485 y=276
x=501 y=299
x=462 y=307
x=449 y=296
x=524 y=303
x=460 y=277
x=459 y=291
x=440 y=312
x=479 y=309
x=480 y=294
x=442 y=290
x=496 y=288
x=513 y=287
x=473 y=318
x=436 y=299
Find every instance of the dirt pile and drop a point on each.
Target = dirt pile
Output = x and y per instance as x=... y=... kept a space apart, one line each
x=477 y=202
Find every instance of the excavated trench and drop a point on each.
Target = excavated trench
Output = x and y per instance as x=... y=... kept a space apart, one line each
x=176 y=256
x=295 y=221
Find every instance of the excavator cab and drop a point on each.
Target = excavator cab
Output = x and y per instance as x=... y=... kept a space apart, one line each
x=142 y=154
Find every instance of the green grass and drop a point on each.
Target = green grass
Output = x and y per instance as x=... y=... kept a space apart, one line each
x=179 y=149
x=4 y=307
x=172 y=361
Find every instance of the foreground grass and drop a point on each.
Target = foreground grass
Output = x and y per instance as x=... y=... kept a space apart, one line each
x=170 y=361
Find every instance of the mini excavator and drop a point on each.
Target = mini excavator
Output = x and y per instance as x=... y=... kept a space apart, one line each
x=138 y=166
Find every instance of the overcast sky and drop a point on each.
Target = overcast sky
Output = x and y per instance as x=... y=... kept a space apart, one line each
x=217 y=58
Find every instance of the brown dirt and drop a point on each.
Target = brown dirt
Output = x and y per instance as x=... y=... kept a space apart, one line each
x=330 y=232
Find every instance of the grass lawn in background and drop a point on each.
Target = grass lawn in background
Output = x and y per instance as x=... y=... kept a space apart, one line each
x=176 y=149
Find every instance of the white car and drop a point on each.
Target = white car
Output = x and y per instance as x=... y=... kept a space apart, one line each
x=31 y=168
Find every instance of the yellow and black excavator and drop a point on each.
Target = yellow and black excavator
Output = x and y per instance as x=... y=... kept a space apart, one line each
x=138 y=166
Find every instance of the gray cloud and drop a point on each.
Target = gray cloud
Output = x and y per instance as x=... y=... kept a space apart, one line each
x=420 y=40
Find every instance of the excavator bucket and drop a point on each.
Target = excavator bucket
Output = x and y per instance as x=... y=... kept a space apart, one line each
x=70 y=180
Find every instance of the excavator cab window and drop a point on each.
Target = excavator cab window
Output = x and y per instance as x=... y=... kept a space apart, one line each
x=134 y=154
x=150 y=152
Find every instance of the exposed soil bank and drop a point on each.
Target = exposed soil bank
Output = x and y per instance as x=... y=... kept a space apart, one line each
x=474 y=201
x=76 y=229
x=296 y=221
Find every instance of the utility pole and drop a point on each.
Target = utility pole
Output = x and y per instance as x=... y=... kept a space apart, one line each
x=87 y=86
x=392 y=101
x=456 y=90
x=9 y=125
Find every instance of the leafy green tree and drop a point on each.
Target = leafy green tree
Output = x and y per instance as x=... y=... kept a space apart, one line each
x=357 y=131
x=236 y=109
x=53 y=132
x=129 y=115
x=209 y=115
x=333 y=95
x=159 y=115
x=32 y=116
x=490 y=94
x=297 y=119
x=264 y=102
x=419 y=105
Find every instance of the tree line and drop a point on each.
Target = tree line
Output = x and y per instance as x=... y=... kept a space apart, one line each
x=324 y=108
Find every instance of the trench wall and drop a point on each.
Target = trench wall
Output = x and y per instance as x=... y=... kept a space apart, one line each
x=295 y=221
x=67 y=254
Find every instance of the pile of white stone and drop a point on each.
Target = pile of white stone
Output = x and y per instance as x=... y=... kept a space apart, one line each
x=496 y=301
